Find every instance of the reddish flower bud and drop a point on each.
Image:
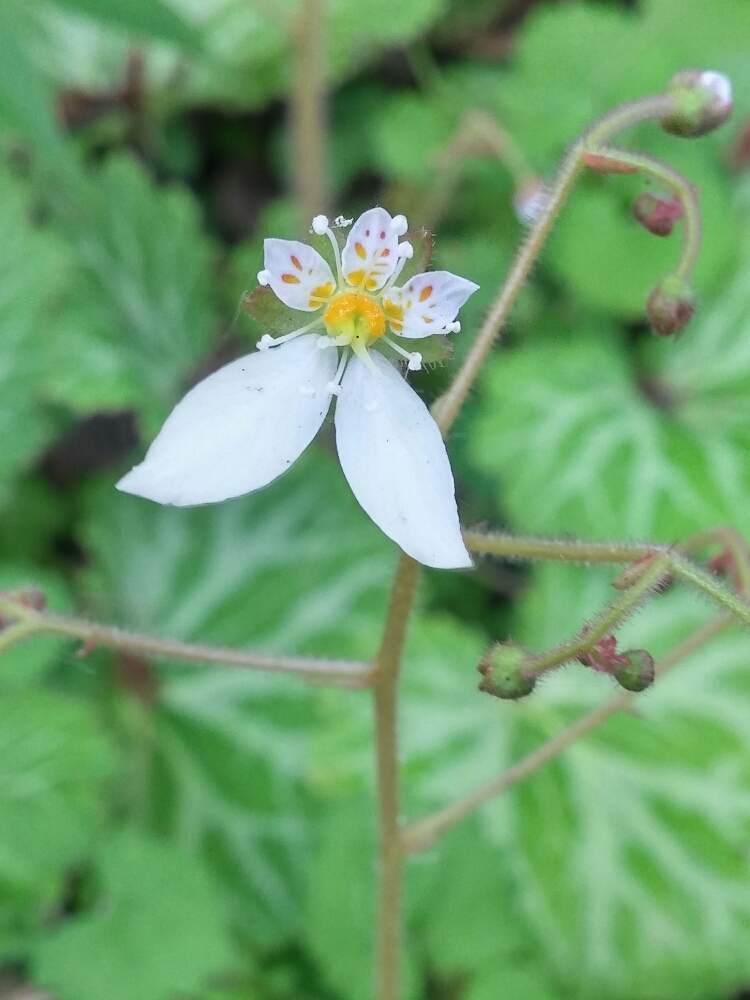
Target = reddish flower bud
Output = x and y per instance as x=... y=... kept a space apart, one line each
x=636 y=671
x=702 y=102
x=670 y=306
x=502 y=668
x=657 y=213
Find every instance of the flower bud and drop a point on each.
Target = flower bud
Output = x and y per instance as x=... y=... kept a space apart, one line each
x=502 y=669
x=702 y=102
x=635 y=672
x=657 y=213
x=670 y=306
x=531 y=199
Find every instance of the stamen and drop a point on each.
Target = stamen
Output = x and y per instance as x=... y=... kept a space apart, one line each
x=414 y=358
x=404 y=251
x=364 y=355
x=264 y=277
x=399 y=225
x=334 y=386
x=327 y=341
x=267 y=340
x=321 y=228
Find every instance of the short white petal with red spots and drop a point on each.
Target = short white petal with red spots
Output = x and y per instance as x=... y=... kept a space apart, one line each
x=298 y=275
x=430 y=303
x=370 y=253
x=238 y=429
x=395 y=461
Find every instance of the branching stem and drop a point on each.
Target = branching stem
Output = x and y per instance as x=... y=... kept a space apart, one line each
x=28 y=621
x=605 y=622
x=685 y=191
x=423 y=834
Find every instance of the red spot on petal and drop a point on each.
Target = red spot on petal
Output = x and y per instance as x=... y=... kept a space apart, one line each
x=382 y=234
x=367 y=232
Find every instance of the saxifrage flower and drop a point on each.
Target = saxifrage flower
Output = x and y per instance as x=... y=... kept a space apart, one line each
x=244 y=426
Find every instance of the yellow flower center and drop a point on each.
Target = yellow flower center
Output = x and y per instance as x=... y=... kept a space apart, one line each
x=357 y=317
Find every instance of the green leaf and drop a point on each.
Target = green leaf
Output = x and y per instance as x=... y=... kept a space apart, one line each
x=28 y=298
x=470 y=923
x=630 y=858
x=560 y=73
x=26 y=100
x=341 y=911
x=580 y=448
x=295 y=568
x=151 y=18
x=156 y=928
x=141 y=311
x=54 y=766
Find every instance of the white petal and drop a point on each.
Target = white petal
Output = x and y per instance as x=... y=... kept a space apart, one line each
x=238 y=429
x=299 y=276
x=430 y=303
x=395 y=461
x=370 y=253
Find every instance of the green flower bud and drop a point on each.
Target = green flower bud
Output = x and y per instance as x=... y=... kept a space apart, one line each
x=503 y=671
x=702 y=102
x=670 y=306
x=636 y=671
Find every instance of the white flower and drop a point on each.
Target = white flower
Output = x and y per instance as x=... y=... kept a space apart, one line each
x=244 y=425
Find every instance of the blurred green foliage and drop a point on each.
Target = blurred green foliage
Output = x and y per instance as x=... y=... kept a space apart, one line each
x=168 y=831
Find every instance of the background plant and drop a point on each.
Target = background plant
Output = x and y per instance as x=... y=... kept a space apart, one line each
x=231 y=811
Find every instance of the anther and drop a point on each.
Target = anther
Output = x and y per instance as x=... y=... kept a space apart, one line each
x=399 y=225
x=265 y=342
x=415 y=361
x=320 y=225
x=405 y=249
x=264 y=277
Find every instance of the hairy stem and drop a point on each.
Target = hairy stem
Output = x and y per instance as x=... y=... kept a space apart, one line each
x=529 y=548
x=446 y=411
x=449 y=405
x=685 y=191
x=339 y=673
x=390 y=855
x=423 y=834
x=605 y=622
x=307 y=112
x=712 y=587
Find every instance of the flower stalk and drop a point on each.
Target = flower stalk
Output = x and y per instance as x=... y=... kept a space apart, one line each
x=28 y=621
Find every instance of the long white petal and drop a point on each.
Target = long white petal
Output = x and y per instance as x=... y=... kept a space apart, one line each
x=239 y=428
x=299 y=276
x=370 y=253
x=428 y=303
x=395 y=461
